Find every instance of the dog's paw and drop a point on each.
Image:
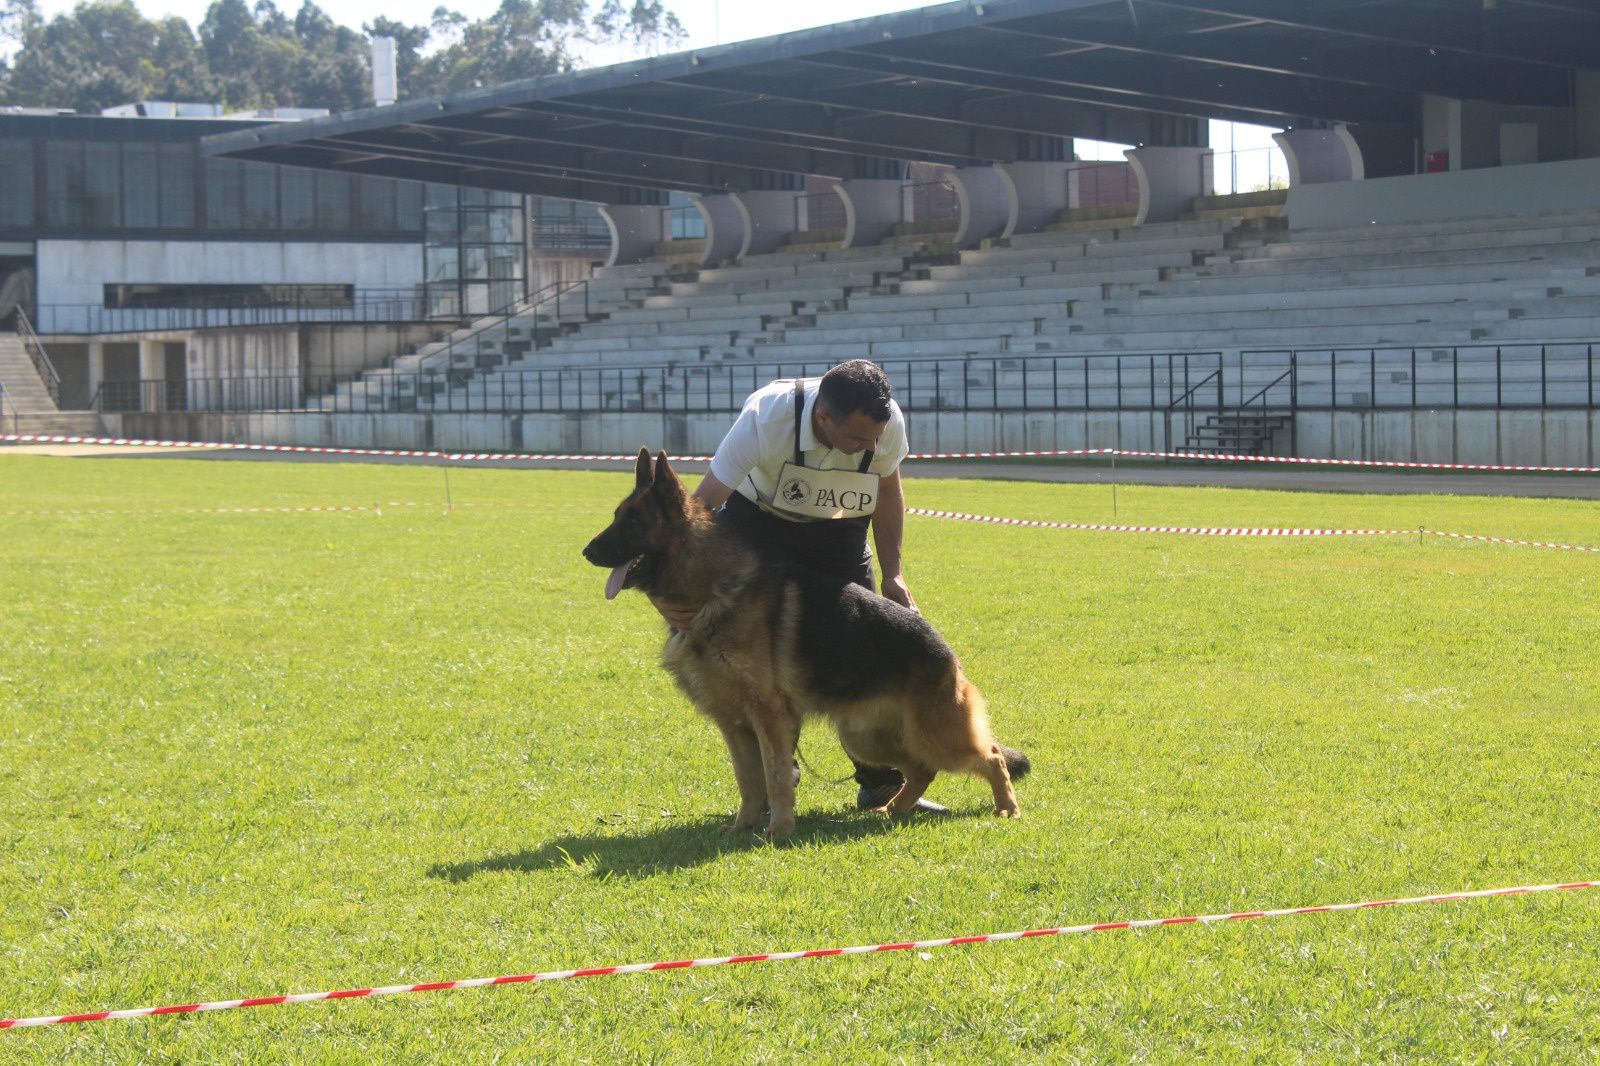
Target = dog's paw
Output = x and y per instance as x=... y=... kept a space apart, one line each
x=780 y=830
x=884 y=810
x=1007 y=812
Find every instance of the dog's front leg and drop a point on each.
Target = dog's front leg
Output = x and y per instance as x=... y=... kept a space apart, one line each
x=745 y=750
x=777 y=732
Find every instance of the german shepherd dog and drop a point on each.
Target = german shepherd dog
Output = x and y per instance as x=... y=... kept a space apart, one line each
x=771 y=644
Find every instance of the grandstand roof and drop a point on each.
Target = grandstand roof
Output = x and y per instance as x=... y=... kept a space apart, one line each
x=958 y=83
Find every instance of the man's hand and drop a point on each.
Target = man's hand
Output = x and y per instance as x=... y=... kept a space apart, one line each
x=895 y=588
x=677 y=615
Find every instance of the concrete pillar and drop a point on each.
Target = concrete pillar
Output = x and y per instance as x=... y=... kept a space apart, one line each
x=871 y=210
x=1169 y=180
x=724 y=228
x=1317 y=156
x=769 y=219
x=1038 y=193
x=95 y=368
x=986 y=200
x=152 y=367
x=635 y=231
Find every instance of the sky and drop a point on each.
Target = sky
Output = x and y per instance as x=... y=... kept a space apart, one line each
x=706 y=22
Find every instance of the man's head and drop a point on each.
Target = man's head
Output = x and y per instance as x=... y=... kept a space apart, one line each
x=852 y=406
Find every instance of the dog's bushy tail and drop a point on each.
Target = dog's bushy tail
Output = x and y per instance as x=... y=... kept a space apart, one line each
x=1018 y=765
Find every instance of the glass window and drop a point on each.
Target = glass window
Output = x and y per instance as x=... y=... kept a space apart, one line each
x=441 y=264
x=441 y=227
x=505 y=227
x=260 y=197
x=333 y=201
x=16 y=183
x=224 y=188
x=442 y=196
x=375 y=205
x=63 y=183
x=474 y=227
x=141 y=186
x=299 y=199
x=102 y=166
x=471 y=197
x=408 y=205
x=475 y=261
x=177 y=186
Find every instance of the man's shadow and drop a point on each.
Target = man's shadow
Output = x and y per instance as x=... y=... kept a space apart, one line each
x=671 y=847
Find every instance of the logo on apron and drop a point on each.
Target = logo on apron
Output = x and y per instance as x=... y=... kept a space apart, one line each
x=806 y=493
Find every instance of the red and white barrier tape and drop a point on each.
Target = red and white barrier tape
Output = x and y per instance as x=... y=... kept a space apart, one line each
x=1239 y=531
x=778 y=956
x=1194 y=531
x=306 y=449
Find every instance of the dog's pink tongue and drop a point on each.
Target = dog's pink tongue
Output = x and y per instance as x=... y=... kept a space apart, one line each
x=615 y=581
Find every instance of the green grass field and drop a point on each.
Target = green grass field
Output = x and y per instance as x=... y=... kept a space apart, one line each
x=250 y=754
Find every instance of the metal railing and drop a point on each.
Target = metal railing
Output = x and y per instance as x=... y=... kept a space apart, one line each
x=1175 y=384
x=560 y=297
x=41 y=358
x=818 y=211
x=6 y=405
x=567 y=234
x=1102 y=184
x=366 y=305
x=929 y=201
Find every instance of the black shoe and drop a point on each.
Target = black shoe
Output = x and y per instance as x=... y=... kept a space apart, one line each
x=870 y=799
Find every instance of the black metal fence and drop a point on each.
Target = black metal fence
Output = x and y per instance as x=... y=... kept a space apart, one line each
x=1506 y=377
x=365 y=305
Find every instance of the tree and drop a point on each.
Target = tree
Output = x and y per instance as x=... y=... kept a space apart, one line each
x=104 y=52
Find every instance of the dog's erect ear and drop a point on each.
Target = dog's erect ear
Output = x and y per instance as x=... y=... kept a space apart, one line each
x=641 y=469
x=667 y=484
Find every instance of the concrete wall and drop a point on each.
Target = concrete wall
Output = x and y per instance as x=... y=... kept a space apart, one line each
x=1554 y=438
x=1490 y=192
x=334 y=350
x=77 y=271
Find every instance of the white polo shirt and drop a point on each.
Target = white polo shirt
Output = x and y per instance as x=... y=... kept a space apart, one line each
x=762 y=440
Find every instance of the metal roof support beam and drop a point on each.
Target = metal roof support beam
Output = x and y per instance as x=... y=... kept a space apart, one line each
x=1468 y=31
x=1374 y=64
x=788 y=131
x=444 y=173
x=1078 y=78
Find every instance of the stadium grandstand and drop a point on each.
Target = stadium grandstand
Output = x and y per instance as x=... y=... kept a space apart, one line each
x=1424 y=285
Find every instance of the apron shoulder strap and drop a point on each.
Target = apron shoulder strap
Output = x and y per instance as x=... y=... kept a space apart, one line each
x=799 y=414
x=866 y=461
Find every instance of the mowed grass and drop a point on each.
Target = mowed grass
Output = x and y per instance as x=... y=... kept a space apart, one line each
x=250 y=754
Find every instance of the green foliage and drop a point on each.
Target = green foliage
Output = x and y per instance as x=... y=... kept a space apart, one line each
x=259 y=753
x=250 y=56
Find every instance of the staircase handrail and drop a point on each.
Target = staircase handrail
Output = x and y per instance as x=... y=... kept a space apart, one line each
x=41 y=359
x=1192 y=389
x=521 y=305
x=1262 y=394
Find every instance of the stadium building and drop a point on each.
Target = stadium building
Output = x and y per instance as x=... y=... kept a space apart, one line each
x=1424 y=286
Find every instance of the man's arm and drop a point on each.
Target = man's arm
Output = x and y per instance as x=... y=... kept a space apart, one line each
x=888 y=527
x=712 y=492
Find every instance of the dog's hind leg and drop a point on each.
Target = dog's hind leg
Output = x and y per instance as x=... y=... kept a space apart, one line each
x=994 y=769
x=745 y=751
x=777 y=733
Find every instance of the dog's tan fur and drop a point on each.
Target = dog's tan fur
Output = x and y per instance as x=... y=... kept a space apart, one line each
x=745 y=665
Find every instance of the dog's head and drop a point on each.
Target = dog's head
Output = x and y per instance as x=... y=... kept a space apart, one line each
x=642 y=532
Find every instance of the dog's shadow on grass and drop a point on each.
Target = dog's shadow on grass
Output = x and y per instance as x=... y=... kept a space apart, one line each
x=662 y=850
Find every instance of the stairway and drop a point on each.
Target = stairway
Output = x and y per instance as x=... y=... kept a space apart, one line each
x=1239 y=432
x=29 y=408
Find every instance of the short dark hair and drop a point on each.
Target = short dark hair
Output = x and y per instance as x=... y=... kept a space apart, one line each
x=858 y=385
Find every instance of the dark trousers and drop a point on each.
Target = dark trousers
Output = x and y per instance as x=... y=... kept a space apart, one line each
x=837 y=548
